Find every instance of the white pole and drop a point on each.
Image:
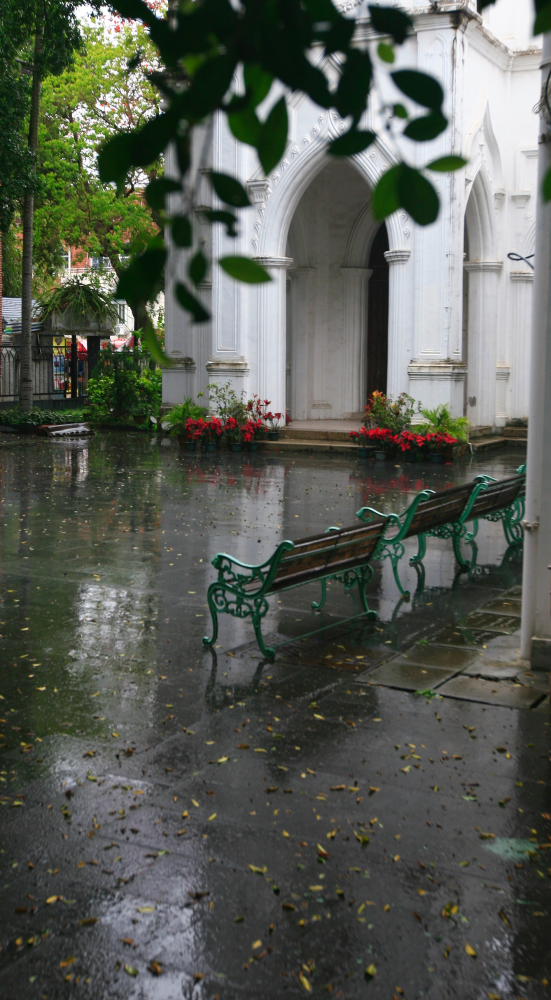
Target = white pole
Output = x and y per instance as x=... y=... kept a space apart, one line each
x=536 y=579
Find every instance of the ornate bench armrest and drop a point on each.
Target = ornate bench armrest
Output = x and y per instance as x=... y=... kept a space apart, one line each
x=254 y=578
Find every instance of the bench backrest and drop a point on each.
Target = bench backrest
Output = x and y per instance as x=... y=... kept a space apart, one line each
x=495 y=496
x=429 y=510
x=336 y=551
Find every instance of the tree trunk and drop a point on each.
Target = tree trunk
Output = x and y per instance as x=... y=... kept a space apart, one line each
x=26 y=383
x=1 y=297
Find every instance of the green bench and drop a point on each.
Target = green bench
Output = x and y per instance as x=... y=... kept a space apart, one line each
x=454 y=513
x=344 y=554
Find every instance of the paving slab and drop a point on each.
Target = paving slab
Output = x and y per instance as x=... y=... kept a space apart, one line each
x=432 y=654
x=491 y=692
x=402 y=673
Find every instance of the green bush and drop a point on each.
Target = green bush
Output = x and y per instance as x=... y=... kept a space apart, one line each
x=16 y=417
x=176 y=419
x=125 y=390
x=394 y=414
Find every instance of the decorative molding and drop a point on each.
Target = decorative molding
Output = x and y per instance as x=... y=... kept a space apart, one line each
x=483 y=265
x=274 y=261
x=522 y=276
x=229 y=366
x=181 y=364
x=444 y=370
x=503 y=372
x=346 y=5
x=397 y=256
x=259 y=190
x=521 y=198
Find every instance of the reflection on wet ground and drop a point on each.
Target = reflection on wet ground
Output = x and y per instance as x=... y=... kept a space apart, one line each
x=362 y=815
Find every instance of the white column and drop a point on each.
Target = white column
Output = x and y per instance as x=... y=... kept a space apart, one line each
x=354 y=339
x=271 y=326
x=536 y=601
x=520 y=341
x=482 y=340
x=400 y=320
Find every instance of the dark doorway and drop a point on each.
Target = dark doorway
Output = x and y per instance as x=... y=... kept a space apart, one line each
x=377 y=315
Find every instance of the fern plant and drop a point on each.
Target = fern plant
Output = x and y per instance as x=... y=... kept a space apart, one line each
x=440 y=420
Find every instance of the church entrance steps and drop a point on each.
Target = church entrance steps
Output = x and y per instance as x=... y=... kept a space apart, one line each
x=334 y=436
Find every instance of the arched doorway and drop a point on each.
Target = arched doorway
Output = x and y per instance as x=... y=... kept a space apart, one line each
x=377 y=315
x=337 y=290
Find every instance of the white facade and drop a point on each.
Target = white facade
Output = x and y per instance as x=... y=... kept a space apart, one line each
x=439 y=312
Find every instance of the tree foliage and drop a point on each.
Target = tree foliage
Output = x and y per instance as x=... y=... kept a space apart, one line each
x=94 y=99
x=240 y=60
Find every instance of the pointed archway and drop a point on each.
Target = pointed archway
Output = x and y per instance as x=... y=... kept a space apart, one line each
x=339 y=278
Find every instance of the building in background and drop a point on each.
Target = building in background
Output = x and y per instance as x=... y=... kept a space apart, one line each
x=439 y=312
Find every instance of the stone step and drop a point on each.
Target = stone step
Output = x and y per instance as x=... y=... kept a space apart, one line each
x=491 y=443
x=301 y=434
x=512 y=432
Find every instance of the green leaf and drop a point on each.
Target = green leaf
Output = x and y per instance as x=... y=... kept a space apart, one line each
x=546 y=189
x=143 y=277
x=116 y=157
x=273 y=137
x=386 y=198
x=447 y=163
x=229 y=190
x=417 y=195
x=258 y=83
x=181 y=231
x=426 y=128
x=152 y=343
x=354 y=85
x=209 y=85
x=228 y=219
x=390 y=21
x=543 y=16
x=245 y=126
x=400 y=111
x=351 y=142
x=420 y=87
x=191 y=303
x=135 y=10
x=198 y=267
x=151 y=140
x=244 y=269
x=158 y=190
x=386 y=52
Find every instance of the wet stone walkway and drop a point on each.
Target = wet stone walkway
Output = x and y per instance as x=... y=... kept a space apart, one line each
x=368 y=816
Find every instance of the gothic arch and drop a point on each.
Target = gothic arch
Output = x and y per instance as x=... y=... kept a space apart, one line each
x=294 y=175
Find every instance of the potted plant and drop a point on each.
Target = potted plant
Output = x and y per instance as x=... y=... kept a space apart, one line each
x=176 y=420
x=232 y=433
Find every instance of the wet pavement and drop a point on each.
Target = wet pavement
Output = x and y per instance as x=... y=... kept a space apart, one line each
x=368 y=816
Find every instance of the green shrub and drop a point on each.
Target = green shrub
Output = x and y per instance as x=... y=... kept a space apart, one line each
x=16 y=417
x=125 y=390
x=177 y=417
x=441 y=421
x=395 y=414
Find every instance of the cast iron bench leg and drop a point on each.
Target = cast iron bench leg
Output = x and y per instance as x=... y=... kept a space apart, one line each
x=260 y=609
x=318 y=605
x=211 y=600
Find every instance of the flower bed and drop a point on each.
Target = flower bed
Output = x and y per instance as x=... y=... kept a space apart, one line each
x=407 y=442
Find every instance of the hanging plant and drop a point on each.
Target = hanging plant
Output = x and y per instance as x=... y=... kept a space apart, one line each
x=82 y=302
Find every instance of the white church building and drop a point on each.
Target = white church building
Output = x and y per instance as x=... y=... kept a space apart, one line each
x=354 y=305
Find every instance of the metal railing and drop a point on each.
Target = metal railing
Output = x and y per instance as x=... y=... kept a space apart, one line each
x=51 y=373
